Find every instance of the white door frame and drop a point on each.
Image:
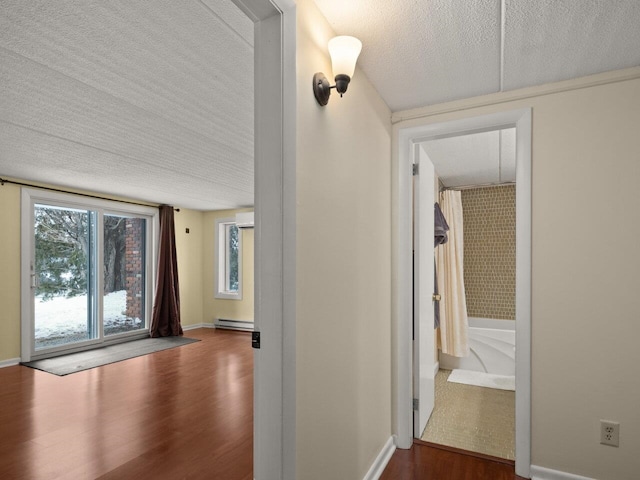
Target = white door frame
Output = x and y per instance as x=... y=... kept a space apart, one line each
x=274 y=310
x=405 y=136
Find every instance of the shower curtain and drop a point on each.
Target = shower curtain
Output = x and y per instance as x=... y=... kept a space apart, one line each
x=452 y=338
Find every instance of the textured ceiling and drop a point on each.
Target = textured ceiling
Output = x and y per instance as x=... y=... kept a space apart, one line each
x=424 y=52
x=154 y=100
x=150 y=100
x=475 y=159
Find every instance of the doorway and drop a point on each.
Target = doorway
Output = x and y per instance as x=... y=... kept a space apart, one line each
x=474 y=359
x=407 y=137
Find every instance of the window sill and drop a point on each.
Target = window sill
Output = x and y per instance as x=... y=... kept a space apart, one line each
x=229 y=295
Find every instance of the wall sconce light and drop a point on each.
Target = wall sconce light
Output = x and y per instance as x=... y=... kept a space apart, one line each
x=344 y=53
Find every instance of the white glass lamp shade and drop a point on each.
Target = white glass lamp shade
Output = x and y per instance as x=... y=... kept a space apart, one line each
x=344 y=51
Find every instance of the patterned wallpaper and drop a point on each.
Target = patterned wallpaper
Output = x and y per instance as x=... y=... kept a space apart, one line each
x=489 y=216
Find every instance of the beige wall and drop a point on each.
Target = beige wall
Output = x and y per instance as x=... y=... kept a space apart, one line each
x=220 y=307
x=585 y=282
x=9 y=271
x=189 y=250
x=190 y=268
x=343 y=380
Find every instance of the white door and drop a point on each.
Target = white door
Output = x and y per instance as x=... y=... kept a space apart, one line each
x=423 y=288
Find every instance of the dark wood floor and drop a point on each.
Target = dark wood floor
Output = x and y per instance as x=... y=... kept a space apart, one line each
x=183 y=413
x=430 y=462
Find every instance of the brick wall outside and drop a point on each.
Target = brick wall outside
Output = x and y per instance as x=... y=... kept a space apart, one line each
x=134 y=267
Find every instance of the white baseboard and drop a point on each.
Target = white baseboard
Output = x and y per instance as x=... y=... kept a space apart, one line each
x=191 y=327
x=542 y=473
x=10 y=362
x=380 y=463
x=203 y=325
x=436 y=367
x=197 y=325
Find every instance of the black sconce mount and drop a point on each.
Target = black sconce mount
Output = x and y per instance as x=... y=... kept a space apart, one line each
x=322 y=87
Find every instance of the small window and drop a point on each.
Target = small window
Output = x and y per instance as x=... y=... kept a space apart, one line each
x=228 y=260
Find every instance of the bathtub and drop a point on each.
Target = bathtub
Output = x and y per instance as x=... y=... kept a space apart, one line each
x=492 y=345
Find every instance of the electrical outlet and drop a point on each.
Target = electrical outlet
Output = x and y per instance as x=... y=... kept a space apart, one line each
x=609 y=433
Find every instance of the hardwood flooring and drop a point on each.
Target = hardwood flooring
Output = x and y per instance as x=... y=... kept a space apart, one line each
x=181 y=413
x=431 y=462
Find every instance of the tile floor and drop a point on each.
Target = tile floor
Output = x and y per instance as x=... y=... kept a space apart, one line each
x=472 y=418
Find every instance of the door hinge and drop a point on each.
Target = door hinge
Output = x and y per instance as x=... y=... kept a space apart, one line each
x=416 y=403
x=255 y=339
x=416 y=169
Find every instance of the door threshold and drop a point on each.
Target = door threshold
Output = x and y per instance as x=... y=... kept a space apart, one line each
x=469 y=453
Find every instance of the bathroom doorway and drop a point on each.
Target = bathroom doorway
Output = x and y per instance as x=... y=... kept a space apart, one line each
x=408 y=138
x=474 y=369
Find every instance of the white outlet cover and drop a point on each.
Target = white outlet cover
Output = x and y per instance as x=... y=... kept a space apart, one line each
x=610 y=433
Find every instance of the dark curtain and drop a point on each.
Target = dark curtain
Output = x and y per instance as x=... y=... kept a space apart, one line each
x=165 y=321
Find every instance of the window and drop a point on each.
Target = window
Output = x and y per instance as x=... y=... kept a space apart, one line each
x=228 y=260
x=88 y=269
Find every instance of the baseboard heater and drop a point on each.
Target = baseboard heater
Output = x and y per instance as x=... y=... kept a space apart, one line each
x=244 y=325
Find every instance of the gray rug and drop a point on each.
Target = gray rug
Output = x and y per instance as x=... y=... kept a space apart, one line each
x=77 y=362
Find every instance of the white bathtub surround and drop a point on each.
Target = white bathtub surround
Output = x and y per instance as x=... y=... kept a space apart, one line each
x=450 y=273
x=483 y=379
x=492 y=348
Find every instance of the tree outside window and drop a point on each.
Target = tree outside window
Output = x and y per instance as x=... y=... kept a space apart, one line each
x=228 y=260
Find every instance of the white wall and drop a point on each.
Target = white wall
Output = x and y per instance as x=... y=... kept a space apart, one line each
x=343 y=268
x=585 y=264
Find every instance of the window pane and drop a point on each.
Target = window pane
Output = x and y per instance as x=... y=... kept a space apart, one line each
x=232 y=253
x=124 y=274
x=228 y=263
x=64 y=298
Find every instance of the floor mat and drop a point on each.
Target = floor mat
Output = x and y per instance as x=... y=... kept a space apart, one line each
x=482 y=379
x=472 y=418
x=77 y=362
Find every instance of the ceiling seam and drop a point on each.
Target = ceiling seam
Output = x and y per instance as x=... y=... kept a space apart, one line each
x=137 y=107
x=139 y=161
x=226 y=24
x=75 y=142
x=502 y=36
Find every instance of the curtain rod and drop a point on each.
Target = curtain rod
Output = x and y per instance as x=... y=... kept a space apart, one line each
x=4 y=180
x=482 y=185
